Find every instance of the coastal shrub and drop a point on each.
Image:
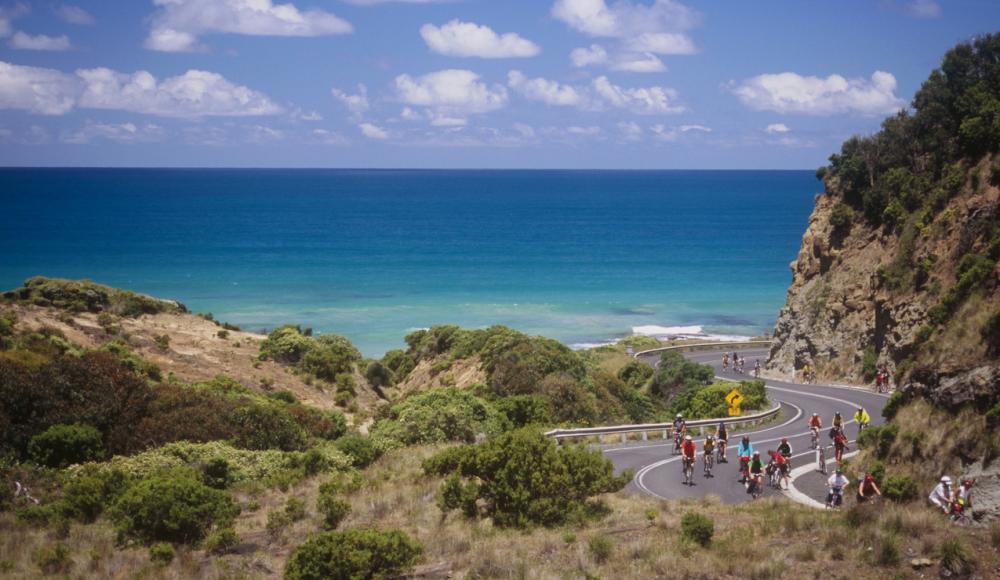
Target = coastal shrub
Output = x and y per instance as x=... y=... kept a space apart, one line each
x=524 y=479
x=330 y=355
x=283 y=397
x=956 y=558
x=221 y=540
x=991 y=332
x=893 y=405
x=323 y=424
x=161 y=553
x=448 y=460
x=400 y=363
x=132 y=361
x=879 y=438
x=841 y=217
x=93 y=389
x=53 y=559
x=295 y=509
x=635 y=373
x=346 y=384
x=515 y=363
x=360 y=449
x=162 y=341
x=216 y=473
x=285 y=344
x=63 y=445
x=869 y=363
x=524 y=410
x=458 y=494
x=88 y=493
x=352 y=554
x=87 y=296
x=333 y=509
x=377 y=375
x=572 y=402
x=266 y=427
x=173 y=506
x=601 y=548
x=676 y=372
x=181 y=413
x=697 y=528
x=900 y=488
x=440 y=415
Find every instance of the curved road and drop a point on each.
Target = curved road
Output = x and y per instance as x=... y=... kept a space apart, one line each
x=658 y=472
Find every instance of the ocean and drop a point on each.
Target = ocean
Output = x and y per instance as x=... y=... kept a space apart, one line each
x=585 y=257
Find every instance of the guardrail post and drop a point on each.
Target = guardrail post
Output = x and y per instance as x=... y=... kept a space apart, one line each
x=645 y=436
x=624 y=437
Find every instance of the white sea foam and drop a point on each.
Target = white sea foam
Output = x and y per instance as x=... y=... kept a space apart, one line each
x=694 y=331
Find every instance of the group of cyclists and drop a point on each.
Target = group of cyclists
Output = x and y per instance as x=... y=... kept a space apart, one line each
x=883 y=378
x=739 y=363
x=955 y=503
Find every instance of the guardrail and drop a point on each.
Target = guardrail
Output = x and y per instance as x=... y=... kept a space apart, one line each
x=703 y=344
x=666 y=429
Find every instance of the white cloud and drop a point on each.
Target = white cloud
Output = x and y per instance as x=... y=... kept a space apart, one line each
x=642 y=31
x=408 y=114
x=10 y=13
x=584 y=131
x=74 y=15
x=526 y=131
x=446 y=121
x=38 y=90
x=670 y=134
x=22 y=41
x=327 y=137
x=373 y=131
x=374 y=2
x=653 y=100
x=192 y=94
x=262 y=134
x=467 y=39
x=594 y=55
x=195 y=93
x=923 y=8
x=311 y=116
x=644 y=63
x=356 y=103
x=450 y=91
x=777 y=128
x=630 y=131
x=662 y=43
x=126 y=133
x=177 y=24
x=544 y=90
x=792 y=93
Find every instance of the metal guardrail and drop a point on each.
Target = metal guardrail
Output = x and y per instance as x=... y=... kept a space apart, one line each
x=702 y=344
x=665 y=428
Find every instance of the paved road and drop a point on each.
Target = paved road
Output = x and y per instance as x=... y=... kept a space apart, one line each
x=658 y=472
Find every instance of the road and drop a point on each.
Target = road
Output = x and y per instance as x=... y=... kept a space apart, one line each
x=658 y=472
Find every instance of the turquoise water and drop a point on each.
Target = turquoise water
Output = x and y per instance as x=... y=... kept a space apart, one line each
x=584 y=257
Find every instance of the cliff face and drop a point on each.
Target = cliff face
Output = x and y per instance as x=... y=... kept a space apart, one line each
x=859 y=288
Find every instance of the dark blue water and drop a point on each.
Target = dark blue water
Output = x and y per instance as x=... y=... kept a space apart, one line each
x=580 y=256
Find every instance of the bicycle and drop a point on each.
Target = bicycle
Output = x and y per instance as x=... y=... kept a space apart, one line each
x=720 y=450
x=744 y=469
x=821 y=459
x=773 y=477
x=754 y=487
x=688 y=469
x=835 y=497
x=709 y=461
x=958 y=515
x=815 y=437
x=677 y=443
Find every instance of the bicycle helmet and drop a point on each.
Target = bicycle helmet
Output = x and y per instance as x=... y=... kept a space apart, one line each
x=967 y=483
x=840 y=471
x=946 y=480
x=756 y=453
x=712 y=437
x=678 y=416
x=815 y=414
x=784 y=439
x=688 y=438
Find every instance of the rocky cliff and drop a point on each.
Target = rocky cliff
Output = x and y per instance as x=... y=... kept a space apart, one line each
x=898 y=265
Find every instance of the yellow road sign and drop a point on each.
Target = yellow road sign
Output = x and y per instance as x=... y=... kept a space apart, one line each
x=734 y=398
x=734 y=411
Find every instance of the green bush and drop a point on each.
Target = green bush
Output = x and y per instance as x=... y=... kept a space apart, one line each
x=601 y=547
x=993 y=416
x=333 y=508
x=283 y=396
x=440 y=415
x=359 y=449
x=524 y=410
x=174 y=506
x=400 y=363
x=879 y=439
x=456 y=494
x=161 y=553
x=266 y=427
x=330 y=356
x=841 y=217
x=448 y=460
x=956 y=558
x=53 y=559
x=991 y=332
x=89 y=493
x=869 y=363
x=352 y=554
x=295 y=509
x=63 y=445
x=635 y=373
x=892 y=406
x=285 y=344
x=221 y=540
x=216 y=473
x=524 y=479
x=697 y=528
x=346 y=384
x=377 y=375
x=327 y=425
x=900 y=488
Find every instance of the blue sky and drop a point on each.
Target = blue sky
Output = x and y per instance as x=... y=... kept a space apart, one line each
x=461 y=84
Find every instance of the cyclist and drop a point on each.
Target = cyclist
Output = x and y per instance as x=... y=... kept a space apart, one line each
x=806 y=372
x=942 y=494
x=680 y=429
x=725 y=361
x=862 y=418
x=744 y=451
x=722 y=434
x=756 y=369
x=839 y=445
x=688 y=452
x=708 y=447
x=756 y=470
x=815 y=424
x=780 y=464
x=965 y=493
x=836 y=483
x=838 y=421
x=867 y=488
x=785 y=449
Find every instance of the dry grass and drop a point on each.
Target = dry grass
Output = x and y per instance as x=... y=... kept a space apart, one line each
x=640 y=538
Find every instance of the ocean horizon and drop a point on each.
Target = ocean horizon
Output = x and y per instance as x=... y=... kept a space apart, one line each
x=583 y=256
